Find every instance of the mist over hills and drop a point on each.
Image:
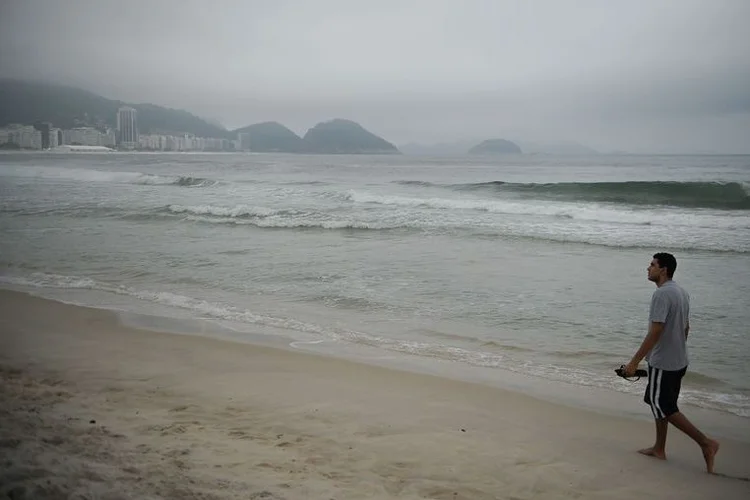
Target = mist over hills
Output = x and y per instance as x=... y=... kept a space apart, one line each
x=68 y=107
x=27 y=103
x=495 y=147
x=460 y=148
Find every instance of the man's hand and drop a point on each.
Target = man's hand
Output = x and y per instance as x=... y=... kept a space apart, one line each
x=629 y=369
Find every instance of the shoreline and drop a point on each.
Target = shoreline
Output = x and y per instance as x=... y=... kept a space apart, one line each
x=609 y=400
x=96 y=408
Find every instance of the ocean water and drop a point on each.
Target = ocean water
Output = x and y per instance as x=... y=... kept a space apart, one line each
x=529 y=264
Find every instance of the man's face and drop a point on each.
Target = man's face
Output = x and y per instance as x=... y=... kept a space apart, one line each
x=654 y=271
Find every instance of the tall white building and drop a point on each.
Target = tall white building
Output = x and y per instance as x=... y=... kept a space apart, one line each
x=243 y=138
x=127 y=127
x=84 y=136
x=55 y=137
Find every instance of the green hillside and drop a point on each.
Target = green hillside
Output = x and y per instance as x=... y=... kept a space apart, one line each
x=27 y=103
x=271 y=137
x=345 y=136
x=68 y=107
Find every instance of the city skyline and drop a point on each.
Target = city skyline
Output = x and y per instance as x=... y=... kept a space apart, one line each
x=125 y=136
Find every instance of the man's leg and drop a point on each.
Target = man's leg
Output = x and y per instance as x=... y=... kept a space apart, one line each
x=708 y=446
x=671 y=383
x=658 y=450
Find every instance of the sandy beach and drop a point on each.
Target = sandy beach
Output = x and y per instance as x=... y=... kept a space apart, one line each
x=94 y=409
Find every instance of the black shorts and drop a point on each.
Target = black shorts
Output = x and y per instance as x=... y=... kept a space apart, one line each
x=662 y=391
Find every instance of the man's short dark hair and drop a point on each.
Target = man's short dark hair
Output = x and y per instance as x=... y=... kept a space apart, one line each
x=666 y=260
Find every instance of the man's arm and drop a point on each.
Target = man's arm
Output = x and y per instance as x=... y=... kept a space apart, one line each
x=655 y=330
x=687 y=329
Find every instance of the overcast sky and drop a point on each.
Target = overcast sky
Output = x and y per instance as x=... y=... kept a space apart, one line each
x=637 y=75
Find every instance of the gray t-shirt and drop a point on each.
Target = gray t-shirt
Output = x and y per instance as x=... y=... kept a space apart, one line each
x=670 y=304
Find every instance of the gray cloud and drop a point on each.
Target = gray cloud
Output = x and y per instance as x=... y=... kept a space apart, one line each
x=637 y=75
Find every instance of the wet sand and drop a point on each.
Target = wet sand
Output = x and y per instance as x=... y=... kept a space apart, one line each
x=99 y=410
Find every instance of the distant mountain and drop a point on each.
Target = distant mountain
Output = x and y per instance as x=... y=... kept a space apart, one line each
x=154 y=119
x=556 y=148
x=27 y=103
x=270 y=137
x=345 y=136
x=67 y=107
x=457 y=148
x=495 y=147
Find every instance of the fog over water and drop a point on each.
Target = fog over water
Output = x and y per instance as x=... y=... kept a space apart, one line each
x=668 y=76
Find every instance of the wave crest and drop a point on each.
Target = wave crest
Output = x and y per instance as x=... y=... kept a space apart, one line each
x=717 y=195
x=235 y=212
x=183 y=181
x=91 y=175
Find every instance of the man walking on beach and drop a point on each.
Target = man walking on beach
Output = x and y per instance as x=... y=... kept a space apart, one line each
x=665 y=350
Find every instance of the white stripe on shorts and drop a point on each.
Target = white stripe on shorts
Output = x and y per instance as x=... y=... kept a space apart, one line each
x=655 y=379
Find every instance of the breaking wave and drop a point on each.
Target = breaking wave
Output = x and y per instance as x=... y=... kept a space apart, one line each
x=716 y=195
x=89 y=175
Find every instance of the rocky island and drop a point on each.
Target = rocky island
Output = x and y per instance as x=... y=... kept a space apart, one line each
x=495 y=147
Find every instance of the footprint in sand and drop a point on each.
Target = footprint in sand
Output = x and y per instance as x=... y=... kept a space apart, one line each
x=177 y=409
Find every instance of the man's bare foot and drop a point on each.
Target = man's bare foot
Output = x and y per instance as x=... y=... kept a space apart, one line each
x=653 y=452
x=709 y=453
